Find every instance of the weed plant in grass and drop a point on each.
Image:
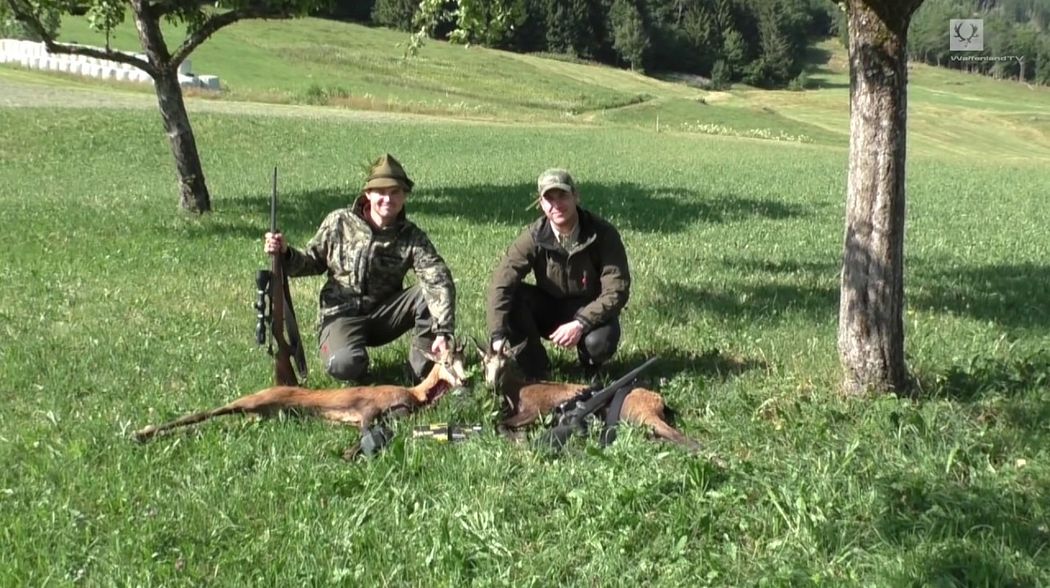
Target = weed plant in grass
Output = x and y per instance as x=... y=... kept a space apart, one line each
x=118 y=312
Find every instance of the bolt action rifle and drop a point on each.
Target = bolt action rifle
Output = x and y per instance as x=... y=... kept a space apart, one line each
x=573 y=416
x=274 y=306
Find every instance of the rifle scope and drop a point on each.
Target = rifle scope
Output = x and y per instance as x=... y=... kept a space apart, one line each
x=262 y=305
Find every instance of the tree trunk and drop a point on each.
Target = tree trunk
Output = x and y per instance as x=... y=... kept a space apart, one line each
x=193 y=192
x=871 y=325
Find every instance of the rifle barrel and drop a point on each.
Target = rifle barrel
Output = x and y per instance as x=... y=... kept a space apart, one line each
x=603 y=396
x=273 y=203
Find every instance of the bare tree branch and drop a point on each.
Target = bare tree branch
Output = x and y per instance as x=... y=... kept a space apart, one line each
x=24 y=13
x=216 y=22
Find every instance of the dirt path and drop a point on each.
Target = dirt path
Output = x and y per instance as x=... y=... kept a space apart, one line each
x=17 y=90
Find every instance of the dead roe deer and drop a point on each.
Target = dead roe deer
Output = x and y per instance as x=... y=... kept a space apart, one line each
x=527 y=401
x=358 y=405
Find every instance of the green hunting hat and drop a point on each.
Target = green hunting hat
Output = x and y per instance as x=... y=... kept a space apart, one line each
x=387 y=172
x=555 y=178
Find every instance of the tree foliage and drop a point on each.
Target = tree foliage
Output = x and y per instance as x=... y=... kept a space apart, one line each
x=488 y=22
x=759 y=39
x=630 y=39
x=761 y=42
x=12 y=28
x=396 y=14
x=1016 y=39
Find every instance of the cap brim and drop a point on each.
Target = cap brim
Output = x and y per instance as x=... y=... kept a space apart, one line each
x=376 y=183
x=564 y=187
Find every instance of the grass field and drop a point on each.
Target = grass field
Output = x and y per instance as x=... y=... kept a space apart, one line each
x=118 y=312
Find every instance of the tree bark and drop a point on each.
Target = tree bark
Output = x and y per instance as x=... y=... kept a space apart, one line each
x=871 y=325
x=193 y=191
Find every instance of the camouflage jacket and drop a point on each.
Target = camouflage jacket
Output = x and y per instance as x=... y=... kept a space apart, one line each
x=594 y=271
x=367 y=266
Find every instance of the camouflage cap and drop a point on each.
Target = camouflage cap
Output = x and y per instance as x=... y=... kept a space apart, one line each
x=555 y=178
x=386 y=172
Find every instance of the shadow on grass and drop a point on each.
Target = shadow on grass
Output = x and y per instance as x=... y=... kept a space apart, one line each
x=631 y=206
x=297 y=212
x=966 y=565
x=712 y=363
x=1012 y=295
x=628 y=206
x=973 y=524
x=678 y=303
x=981 y=376
x=817 y=60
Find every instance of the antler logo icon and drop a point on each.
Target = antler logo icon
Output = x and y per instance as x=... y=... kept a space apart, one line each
x=966 y=34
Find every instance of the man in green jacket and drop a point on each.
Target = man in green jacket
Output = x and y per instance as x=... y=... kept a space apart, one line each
x=366 y=249
x=582 y=282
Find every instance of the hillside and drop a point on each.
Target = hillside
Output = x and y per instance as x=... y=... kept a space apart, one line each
x=347 y=66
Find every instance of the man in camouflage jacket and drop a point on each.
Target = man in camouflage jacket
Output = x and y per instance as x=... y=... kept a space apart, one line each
x=366 y=250
x=582 y=282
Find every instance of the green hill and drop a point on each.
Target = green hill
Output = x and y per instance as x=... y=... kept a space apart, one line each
x=348 y=66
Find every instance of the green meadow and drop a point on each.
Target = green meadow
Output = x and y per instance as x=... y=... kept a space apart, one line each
x=119 y=311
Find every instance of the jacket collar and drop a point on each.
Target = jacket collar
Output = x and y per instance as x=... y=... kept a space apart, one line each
x=545 y=237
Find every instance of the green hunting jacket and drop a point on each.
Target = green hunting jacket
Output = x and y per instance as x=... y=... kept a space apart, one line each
x=366 y=266
x=595 y=271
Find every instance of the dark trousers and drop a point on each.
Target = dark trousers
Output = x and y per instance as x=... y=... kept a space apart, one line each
x=536 y=314
x=343 y=340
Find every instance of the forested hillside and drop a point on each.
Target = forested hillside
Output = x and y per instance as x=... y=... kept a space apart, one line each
x=759 y=42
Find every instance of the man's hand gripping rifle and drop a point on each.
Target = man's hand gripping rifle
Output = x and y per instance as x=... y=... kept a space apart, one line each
x=274 y=306
x=572 y=417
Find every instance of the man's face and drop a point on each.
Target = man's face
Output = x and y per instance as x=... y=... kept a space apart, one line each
x=385 y=203
x=560 y=207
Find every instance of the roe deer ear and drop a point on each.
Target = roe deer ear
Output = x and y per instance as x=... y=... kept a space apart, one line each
x=514 y=351
x=481 y=350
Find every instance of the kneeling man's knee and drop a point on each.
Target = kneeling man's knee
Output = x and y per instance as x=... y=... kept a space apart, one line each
x=348 y=364
x=599 y=345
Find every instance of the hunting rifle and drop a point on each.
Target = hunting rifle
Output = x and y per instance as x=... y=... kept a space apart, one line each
x=571 y=417
x=274 y=307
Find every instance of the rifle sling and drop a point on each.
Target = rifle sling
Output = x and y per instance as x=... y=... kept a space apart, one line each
x=612 y=415
x=295 y=340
